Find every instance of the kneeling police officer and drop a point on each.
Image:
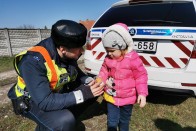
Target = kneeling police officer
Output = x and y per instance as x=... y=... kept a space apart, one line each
x=49 y=82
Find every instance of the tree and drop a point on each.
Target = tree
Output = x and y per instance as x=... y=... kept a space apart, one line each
x=26 y=27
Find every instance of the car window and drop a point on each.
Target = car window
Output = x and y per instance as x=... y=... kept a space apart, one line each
x=151 y=14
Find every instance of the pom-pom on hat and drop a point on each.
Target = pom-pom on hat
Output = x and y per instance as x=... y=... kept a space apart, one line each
x=117 y=36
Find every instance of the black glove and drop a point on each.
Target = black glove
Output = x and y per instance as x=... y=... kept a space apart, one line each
x=21 y=105
x=86 y=91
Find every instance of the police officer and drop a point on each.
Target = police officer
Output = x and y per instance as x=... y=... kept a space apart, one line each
x=49 y=79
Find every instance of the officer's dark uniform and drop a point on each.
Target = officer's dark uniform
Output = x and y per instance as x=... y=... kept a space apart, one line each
x=35 y=95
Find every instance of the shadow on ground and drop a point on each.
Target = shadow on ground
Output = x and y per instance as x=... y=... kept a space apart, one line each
x=96 y=109
x=167 y=125
x=166 y=98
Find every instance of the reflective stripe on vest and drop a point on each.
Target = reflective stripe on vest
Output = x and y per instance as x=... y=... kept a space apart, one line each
x=57 y=76
x=48 y=60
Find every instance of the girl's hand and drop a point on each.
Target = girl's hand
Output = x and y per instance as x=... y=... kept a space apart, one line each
x=141 y=100
x=96 y=88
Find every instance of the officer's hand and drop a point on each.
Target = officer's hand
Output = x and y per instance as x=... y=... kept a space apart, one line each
x=96 y=88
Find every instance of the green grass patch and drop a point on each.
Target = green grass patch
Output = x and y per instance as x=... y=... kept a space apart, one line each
x=6 y=63
x=165 y=117
x=11 y=122
x=162 y=113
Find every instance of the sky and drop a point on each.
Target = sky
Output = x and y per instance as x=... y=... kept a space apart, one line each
x=41 y=13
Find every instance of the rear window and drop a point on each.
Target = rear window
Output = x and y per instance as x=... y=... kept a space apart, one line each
x=181 y=14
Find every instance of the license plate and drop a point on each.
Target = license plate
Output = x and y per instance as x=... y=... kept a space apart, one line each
x=149 y=47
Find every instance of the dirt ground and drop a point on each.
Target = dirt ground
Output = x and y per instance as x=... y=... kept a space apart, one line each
x=6 y=76
x=3 y=94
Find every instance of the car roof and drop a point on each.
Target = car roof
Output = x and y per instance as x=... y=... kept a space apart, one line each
x=124 y=2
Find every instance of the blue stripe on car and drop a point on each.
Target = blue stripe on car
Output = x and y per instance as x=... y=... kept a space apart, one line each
x=165 y=32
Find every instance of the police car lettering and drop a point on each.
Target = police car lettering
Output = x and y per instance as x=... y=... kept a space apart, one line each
x=182 y=36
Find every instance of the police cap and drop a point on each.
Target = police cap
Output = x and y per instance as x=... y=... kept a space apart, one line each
x=69 y=34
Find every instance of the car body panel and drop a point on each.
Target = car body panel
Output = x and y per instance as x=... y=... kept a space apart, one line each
x=170 y=64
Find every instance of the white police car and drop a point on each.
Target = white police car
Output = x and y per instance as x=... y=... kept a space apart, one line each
x=164 y=34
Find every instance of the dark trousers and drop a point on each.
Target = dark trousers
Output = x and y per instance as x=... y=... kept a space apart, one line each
x=60 y=120
x=118 y=117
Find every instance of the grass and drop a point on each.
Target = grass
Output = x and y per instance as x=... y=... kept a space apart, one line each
x=166 y=112
x=162 y=113
x=11 y=122
x=6 y=63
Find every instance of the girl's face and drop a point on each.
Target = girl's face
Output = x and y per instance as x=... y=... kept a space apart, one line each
x=113 y=53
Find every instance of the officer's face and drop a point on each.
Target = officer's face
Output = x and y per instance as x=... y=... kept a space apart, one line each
x=74 y=53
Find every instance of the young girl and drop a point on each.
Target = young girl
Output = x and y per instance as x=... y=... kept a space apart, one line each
x=124 y=75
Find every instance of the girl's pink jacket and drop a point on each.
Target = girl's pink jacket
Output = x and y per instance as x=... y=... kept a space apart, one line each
x=130 y=78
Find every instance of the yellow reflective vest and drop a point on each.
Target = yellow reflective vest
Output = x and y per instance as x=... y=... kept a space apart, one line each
x=57 y=76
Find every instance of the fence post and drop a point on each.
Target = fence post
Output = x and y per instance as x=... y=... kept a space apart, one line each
x=8 y=42
x=39 y=34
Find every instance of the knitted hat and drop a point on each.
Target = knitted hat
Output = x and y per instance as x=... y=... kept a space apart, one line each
x=69 y=34
x=117 y=36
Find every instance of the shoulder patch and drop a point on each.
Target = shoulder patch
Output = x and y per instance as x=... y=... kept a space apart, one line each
x=36 y=58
